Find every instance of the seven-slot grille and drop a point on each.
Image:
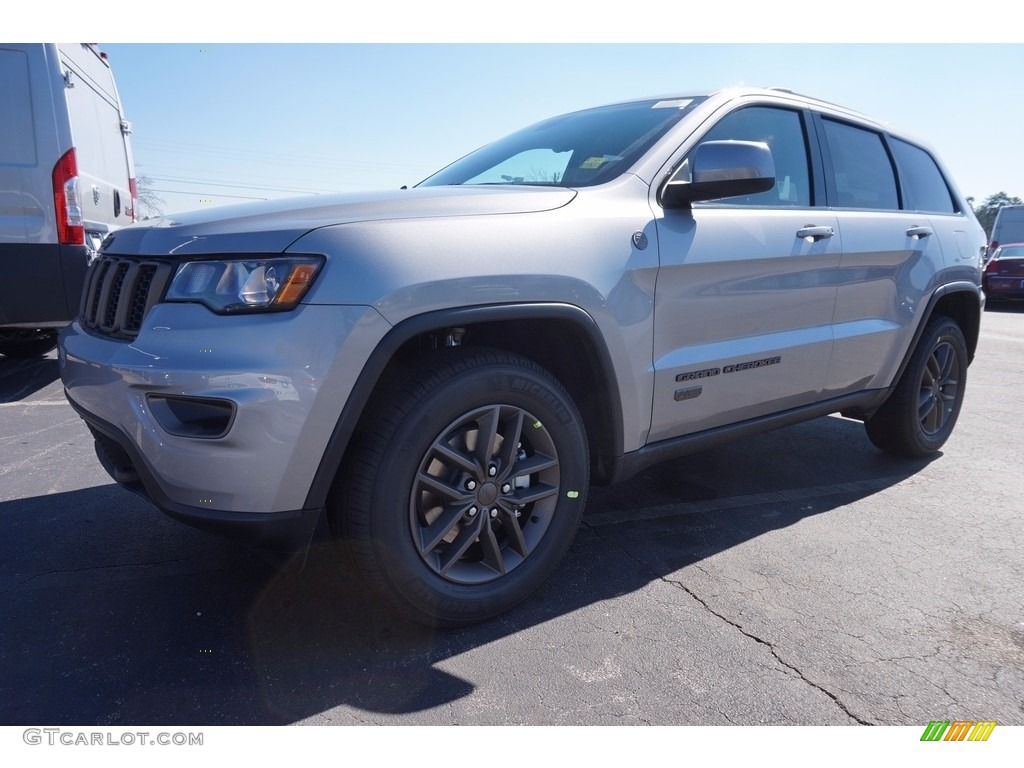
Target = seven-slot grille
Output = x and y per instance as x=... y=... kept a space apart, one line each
x=119 y=292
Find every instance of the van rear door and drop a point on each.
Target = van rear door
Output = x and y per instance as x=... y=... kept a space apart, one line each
x=100 y=136
x=1008 y=227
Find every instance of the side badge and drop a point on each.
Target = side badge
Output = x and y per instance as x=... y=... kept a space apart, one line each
x=639 y=240
x=688 y=394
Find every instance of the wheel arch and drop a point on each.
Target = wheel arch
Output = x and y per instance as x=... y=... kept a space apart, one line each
x=920 y=413
x=963 y=304
x=540 y=332
x=959 y=301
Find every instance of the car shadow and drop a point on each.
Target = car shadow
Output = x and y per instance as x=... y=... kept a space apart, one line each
x=113 y=614
x=20 y=379
x=1004 y=307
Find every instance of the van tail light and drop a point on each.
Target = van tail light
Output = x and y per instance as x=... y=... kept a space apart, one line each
x=67 y=201
x=992 y=267
x=133 y=188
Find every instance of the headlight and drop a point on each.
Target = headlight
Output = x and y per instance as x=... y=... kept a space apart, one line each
x=245 y=285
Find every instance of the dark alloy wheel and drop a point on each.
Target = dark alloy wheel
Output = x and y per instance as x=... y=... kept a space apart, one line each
x=484 y=494
x=939 y=389
x=467 y=488
x=920 y=414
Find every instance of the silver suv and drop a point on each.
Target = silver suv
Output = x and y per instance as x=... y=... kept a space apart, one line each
x=444 y=370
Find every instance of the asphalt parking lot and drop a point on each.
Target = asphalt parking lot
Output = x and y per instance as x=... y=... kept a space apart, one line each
x=800 y=577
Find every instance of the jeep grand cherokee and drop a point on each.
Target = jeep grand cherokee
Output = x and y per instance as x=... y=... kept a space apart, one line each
x=443 y=371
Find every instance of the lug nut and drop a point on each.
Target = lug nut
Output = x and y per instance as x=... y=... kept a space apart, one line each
x=471 y=485
x=492 y=471
x=472 y=512
x=494 y=513
x=506 y=488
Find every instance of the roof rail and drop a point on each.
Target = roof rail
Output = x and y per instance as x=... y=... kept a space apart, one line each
x=840 y=107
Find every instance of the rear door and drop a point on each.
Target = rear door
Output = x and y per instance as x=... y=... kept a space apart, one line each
x=891 y=257
x=99 y=133
x=25 y=192
x=30 y=259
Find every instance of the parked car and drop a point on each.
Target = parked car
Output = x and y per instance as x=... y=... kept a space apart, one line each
x=1004 y=273
x=570 y=304
x=66 y=181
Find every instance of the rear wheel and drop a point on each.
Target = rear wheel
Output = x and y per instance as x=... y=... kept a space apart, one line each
x=467 y=489
x=920 y=414
x=27 y=342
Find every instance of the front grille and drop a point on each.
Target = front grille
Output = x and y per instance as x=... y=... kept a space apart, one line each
x=140 y=298
x=119 y=292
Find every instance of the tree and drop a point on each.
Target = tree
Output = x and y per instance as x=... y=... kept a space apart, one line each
x=544 y=176
x=986 y=212
x=147 y=202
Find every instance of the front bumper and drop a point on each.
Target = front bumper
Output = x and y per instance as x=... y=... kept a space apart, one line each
x=285 y=532
x=286 y=377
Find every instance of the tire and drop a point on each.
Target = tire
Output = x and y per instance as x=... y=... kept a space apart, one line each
x=920 y=414
x=27 y=343
x=449 y=530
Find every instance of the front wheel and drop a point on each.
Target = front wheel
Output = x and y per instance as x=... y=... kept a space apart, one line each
x=467 y=488
x=920 y=414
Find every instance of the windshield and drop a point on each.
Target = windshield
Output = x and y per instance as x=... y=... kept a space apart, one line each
x=576 y=150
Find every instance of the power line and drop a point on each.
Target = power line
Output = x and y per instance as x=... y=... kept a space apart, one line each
x=282 y=158
x=179 y=180
x=212 y=195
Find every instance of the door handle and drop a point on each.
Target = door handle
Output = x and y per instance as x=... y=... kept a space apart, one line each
x=919 y=232
x=815 y=233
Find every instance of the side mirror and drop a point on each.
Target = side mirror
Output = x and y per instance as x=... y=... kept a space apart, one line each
x=722 y=169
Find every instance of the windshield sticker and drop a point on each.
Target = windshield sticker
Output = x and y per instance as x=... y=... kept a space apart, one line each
x=673 y=104
x=597 y=162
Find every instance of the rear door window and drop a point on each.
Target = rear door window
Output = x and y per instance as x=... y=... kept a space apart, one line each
x=862 y=169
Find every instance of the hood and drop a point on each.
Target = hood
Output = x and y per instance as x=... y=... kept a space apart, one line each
x=273 y=225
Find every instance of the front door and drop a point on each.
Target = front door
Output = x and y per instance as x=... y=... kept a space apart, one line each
x=746 y=291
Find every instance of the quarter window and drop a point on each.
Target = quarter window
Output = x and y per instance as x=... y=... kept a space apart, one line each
x=863 y=171
x=923 y=185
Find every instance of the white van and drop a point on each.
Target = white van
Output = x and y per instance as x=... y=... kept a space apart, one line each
x=66 y=180
x=1008 y=227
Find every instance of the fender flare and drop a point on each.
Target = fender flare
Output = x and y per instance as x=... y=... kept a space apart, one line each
x=438 y=320
x=941 y=292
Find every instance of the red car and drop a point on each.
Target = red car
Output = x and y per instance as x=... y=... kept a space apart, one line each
x=1004 y=273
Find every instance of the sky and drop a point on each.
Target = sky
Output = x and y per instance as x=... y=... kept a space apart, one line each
x=217 y=123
